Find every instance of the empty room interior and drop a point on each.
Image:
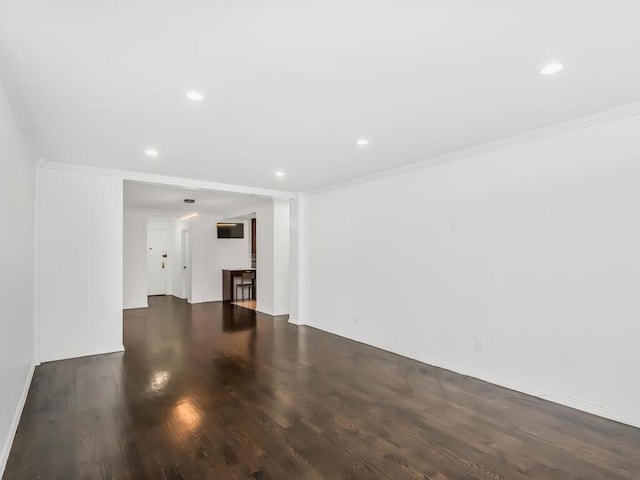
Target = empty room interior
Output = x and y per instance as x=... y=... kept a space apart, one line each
x=320 y=240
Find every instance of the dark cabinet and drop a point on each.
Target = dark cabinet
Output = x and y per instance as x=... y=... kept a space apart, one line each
x=253 y=236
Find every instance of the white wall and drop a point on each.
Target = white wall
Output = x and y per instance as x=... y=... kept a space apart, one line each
x=281 y=244
x=272 y=257
x=135 y=259
x=177 y=270
x=17 y=207
x=210 y=255
x=231 y=253
x=80 y=267
x=264 y=258
x=296 y=255
x=530 y=253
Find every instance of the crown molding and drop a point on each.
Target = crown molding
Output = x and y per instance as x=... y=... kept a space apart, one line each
x=151 y=212
x=165 y=180
x=244 y=210
x=624 y=111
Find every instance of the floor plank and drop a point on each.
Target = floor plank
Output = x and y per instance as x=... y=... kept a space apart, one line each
x=250 y=304
x=217 y=391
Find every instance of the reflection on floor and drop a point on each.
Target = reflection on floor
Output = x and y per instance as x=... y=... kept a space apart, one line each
x=215 y=391
x=251 y=304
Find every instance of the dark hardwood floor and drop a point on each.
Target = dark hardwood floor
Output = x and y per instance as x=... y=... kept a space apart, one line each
x=214 y=391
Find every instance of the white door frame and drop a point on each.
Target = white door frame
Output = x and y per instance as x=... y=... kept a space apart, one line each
x=185 y=264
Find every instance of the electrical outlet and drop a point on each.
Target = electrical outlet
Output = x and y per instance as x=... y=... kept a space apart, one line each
x=354 y=320
x=477 y=344
x=453 y=223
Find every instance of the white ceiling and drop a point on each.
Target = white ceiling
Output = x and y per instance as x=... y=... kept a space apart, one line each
x=292 y=84
x=146 y=196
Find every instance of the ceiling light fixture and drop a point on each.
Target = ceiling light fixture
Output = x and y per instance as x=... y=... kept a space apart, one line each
x=362 y=142
x=279 y=173
x=189 y=200
x=195 y=96
x=151 y=152
x=551 y=68
x=186 y=217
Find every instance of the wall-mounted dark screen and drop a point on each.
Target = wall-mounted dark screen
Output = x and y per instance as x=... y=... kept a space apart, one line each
x=231 y=230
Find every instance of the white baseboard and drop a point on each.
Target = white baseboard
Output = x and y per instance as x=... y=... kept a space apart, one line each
x=81 y=353
x=16 y=420
x=205 y=300
x=296 y=321
x=555 y=397
x=599 y=410
x=133 y=307
x=271 y=313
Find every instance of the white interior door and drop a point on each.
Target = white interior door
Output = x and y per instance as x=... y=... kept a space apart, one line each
x=157 y=261
x=186 y=266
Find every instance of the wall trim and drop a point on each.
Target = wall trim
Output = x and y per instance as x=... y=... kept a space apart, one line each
x=165 y=179
x=150 y=212
x=136 y=307
x=36 y=264
x=13 y=428
x=623 y=111
x=554 y=397
x=81 y=353
x=245 y=210
x=585 y=121
x=272 y=313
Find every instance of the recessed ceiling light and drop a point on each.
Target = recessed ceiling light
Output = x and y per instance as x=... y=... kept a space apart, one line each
x=551 y=68
x=151 y=152
x=362 y=142
x=279 y=173
x=194 y=95
x=187 y=217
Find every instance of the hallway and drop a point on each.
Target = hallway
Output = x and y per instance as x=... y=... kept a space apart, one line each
x=217 y=391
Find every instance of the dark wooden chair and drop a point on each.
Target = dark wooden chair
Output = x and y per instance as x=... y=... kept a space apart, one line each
x=246 y=281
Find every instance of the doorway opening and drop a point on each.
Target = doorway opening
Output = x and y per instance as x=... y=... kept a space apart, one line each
x=173 y=245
